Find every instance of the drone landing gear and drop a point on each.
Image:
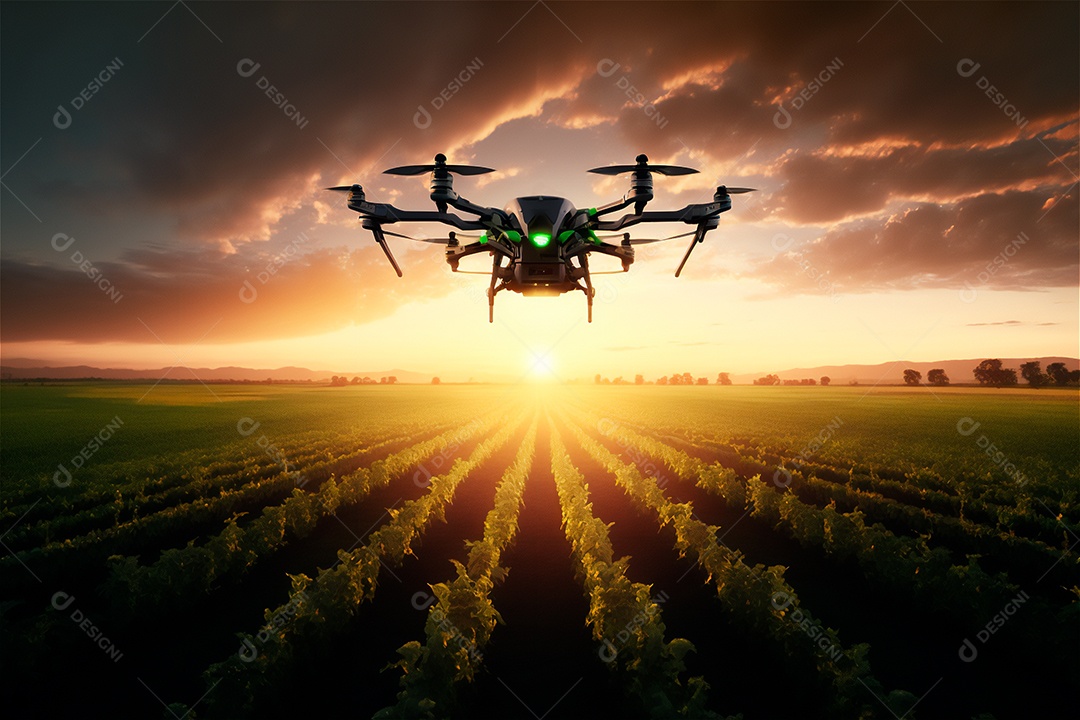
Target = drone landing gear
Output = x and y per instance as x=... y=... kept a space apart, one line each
x=496 y=263
x=590 y=291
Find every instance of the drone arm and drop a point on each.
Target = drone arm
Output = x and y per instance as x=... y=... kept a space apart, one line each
x=385 y=213
x=690 y=215
x=611 y=207
x=464 y=205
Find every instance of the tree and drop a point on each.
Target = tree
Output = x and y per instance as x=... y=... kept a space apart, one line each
x=723 y=379
x=435 y=381
x=391 y=380
x=937 y=376
x=639 y=379
x=990 y=372
x=1058 y=373
x=662 y=381
x=1032 y=372
x=825 y=380
x=597 y=379
x=703 y=381
x=768 y=380
x=912 y=377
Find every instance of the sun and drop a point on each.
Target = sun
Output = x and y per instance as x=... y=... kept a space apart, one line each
x=541 y=366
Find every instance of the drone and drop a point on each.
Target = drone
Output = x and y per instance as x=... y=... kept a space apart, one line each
x=545 y=240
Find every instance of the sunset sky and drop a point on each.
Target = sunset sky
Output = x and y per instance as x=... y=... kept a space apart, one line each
x=916 y=164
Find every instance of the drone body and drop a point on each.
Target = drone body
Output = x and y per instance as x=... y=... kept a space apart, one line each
x=545 y=241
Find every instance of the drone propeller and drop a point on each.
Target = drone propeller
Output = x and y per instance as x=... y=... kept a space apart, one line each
x=345 y=188
x=734 y=190
x=439 y=168
x=643 y=166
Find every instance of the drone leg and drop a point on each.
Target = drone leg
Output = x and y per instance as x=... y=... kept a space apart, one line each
x=496 y=263
x=589 y=290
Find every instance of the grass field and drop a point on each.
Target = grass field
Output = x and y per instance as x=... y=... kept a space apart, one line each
x=251 y=551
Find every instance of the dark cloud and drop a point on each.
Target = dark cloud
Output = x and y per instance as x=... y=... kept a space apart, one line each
x=202 y=297
x=181 y=148
x=1004 y=241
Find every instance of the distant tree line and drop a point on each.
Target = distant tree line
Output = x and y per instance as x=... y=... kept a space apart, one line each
x=342 y=381
x=988 y=372
x=991 y=373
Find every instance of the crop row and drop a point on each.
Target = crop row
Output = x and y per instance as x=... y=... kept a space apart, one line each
x=462 y=618
x=903 y=564
x=196 y=569
x=326 y=606
x=623 y=615
x=757 y=598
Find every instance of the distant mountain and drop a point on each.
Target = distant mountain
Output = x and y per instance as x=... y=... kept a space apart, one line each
x=21 y=369
x=959 y=371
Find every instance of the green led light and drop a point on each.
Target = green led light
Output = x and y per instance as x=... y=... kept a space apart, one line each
x=540 y=239
x=513 y=236
x=565 y=235
x=483 y=238
x=593 y=236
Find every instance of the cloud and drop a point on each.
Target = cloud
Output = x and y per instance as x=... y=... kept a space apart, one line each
x=915 y=175
x=1002 y=241
x=190 y=297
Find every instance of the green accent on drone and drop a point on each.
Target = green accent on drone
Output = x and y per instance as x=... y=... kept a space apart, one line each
x=513 y=236
x=540 y=239
x=565 y=235
x=483 y=238
x=593 y=236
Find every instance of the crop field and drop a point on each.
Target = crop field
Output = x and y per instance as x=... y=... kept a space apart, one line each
x=255 y=551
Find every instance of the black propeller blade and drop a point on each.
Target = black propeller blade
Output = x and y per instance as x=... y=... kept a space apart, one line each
x=439 y=166
x=643 y=166
x=736 y=190
x=345 y=188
